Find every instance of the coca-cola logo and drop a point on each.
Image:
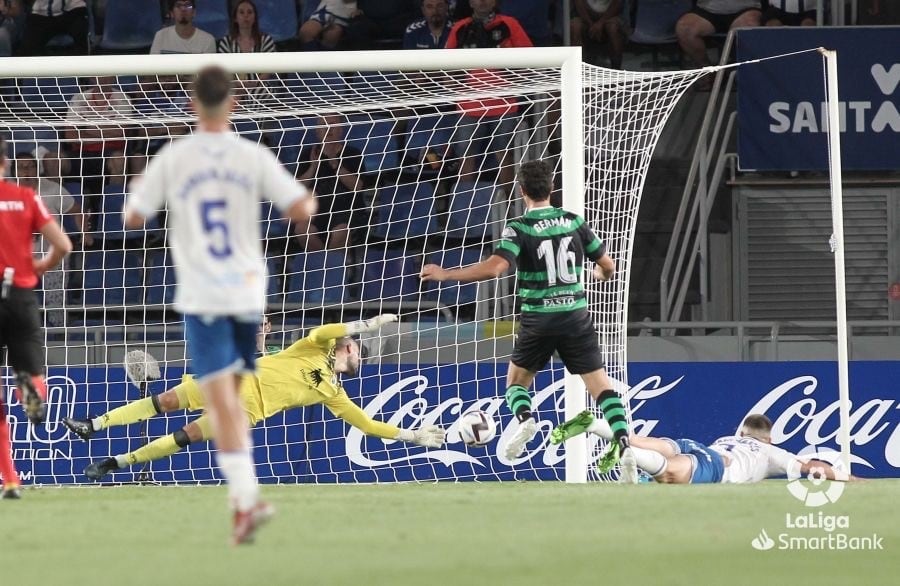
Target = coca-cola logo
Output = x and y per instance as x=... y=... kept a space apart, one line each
x=797 y=410
x=817 y=419
x=418 y=411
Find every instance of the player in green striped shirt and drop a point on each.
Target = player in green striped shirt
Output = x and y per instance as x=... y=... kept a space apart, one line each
x=548 y=246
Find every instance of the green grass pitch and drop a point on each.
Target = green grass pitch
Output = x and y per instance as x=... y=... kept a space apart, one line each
x=435 y=534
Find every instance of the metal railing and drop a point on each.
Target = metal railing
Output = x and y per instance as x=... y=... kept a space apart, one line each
x=689 y=243
x=773 y=332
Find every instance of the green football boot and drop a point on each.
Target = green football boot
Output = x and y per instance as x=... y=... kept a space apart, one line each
x=568 y=429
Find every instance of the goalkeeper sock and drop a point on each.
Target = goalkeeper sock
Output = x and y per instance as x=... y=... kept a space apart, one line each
x=7 y=468
x=614 y=414
x=653 y=463
x=155 y=450
x=519 y=401
x=130 y=413
x=237 y=468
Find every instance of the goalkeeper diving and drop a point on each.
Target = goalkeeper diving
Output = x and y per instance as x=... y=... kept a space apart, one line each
x=306 y=373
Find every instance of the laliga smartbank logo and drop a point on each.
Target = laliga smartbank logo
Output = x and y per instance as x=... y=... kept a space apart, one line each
x=816 y=488
x=819 y=490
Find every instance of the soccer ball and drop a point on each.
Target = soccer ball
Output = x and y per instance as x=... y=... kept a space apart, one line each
x=476 y=428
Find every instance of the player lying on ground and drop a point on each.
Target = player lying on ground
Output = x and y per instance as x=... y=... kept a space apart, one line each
x=304 y=374
x=548 y=247
x=737 y=459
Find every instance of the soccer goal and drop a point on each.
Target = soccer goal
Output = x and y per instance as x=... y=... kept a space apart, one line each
x=425 y=146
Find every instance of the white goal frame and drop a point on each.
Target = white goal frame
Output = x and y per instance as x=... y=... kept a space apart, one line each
x=567 y=59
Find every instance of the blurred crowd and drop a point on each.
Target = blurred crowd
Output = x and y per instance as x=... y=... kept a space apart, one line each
x=606 y=28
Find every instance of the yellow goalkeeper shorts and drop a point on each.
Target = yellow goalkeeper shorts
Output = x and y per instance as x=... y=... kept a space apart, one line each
x=189 y=394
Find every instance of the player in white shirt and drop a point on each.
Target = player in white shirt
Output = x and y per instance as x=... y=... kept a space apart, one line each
x=735 y=459
x=213 y=182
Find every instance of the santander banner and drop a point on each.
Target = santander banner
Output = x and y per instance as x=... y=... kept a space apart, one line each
x=781 y=103
x=701 y=401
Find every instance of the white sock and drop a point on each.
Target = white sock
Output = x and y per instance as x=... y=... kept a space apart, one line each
x=600 y=426
x=95 y=424
x=653 y=463
x=237 y=468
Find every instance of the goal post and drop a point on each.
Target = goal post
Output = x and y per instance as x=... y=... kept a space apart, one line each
x=409 y=137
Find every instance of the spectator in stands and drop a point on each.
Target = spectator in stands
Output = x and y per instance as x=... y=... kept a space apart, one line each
x=879 y=12
x=112 y=234
x=534 y=16
x=491 y=119
x=48 y=19
x=183 y=36
x=431 y=31
x=380 y=20
x=101 y=100
x=164 y=95
x=333 y=170
x=790 y=13
x=50 y=169
x=58 y=201
x=327 y=24
x=244 y=35
x=711 y=17
x=11 y=17
x=597 y=22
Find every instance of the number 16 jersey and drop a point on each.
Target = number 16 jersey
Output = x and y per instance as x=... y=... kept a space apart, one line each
x=548 y=246
x=213 y=183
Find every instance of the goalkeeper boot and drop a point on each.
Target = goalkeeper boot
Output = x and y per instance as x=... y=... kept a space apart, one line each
x=83 y=428
x=246 y=523
x=515 y=447
x=11 y=491
x=569 y=429
x=30 y=398
x=97 y=470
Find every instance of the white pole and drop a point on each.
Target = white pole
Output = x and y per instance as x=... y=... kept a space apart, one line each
x=573 y=200
x=837 y=215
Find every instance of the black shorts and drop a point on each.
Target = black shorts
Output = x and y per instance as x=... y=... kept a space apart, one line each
x=720 y=22
x=20 y=331
x=787 y=18
x=572 y=335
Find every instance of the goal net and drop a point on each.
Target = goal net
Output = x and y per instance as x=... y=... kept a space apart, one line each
x=412 y=164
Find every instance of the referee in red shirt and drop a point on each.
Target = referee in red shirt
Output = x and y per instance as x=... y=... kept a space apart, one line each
x=21 y=215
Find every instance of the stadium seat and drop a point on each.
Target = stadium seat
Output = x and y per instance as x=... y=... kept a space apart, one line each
x=316 y=277
x=272 y=223
x=405 y=211
x=430 y=133
x=470 y=212
x=377 y=143
x=213 y=17
x=388 y=275
x=278 y=18
x=130 y=24
x=452 y=293
x=48 y=94
x=654 y=21
x=160 y=281
x=111 y=277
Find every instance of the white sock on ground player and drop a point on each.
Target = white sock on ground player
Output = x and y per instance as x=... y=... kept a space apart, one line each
x=238 y=470
x=599 y=426
x=653 y=463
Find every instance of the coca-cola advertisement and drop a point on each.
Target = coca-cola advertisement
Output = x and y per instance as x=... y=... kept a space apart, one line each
x=701 y=401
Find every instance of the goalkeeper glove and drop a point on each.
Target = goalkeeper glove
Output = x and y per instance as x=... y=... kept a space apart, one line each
x=370 y=325
x=429 y=436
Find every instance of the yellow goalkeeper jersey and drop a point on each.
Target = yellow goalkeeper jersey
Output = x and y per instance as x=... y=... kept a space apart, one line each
x=300 y=375
x=303 y=374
